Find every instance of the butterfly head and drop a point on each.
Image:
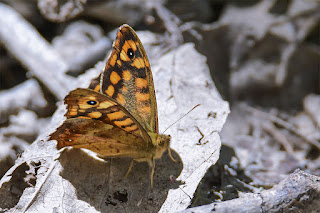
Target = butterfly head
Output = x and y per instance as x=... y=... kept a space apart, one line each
x=161 y=142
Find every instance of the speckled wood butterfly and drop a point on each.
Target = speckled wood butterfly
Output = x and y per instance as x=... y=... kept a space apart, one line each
x=117 y=115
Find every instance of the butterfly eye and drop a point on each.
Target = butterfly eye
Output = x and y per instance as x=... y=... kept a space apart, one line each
x=91 y=102
x=130 y=53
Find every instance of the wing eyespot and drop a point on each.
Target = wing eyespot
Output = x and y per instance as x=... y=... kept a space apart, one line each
x=91 y=102
x=130 y=53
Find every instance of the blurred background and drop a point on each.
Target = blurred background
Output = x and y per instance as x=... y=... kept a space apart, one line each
x=264 y=58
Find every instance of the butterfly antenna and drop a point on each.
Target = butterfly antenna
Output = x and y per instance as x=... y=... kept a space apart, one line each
x=181 y=118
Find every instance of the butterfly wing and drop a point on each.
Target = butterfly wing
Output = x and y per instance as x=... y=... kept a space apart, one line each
x=87 y=104
x=127 y=78
x=104 y=139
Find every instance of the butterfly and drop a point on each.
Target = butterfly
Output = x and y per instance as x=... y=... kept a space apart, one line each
x=117 y=115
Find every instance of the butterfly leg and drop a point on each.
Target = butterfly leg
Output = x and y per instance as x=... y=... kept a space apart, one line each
x=130 y=167
x=170 y=155
x=152 y=164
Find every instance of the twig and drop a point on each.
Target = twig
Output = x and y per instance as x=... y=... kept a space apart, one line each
x=24 y=42
x=27 y=95
x=299 y=192
x=171 y=23
x=283 y=124
x=60 y=11
x=271 y=129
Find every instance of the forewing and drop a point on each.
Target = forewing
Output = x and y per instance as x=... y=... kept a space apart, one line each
x=104 y=139
x=127 y=78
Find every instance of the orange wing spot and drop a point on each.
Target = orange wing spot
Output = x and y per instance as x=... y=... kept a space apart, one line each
x=142 y=96
x=97 y=88
x=141 y=83
x=145 y=109
x=124 y=89
x=113 y=59
x=114 y=78
x=132 y=44
x=126 y=75
x=95 y=114
x=105 y=105
x=119 y=62
x=126 y=122
x=110 y=90
x=116 y=115
x=138 y=63
x=121 y=99
x=84 y=106
x=124 y=56
x=84 y=117
x=72 y=113
x=81 y=110
x=130 y=128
